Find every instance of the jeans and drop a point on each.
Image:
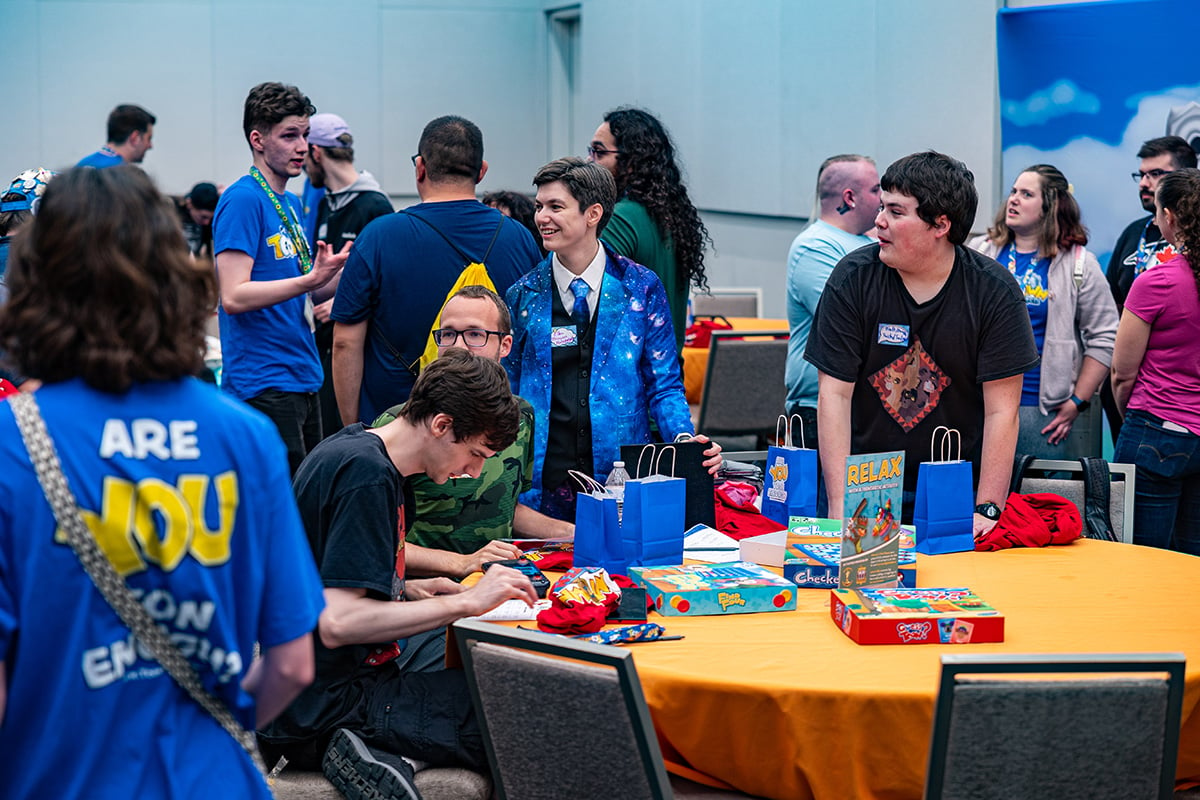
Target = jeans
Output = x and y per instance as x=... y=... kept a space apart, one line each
x=1167 y=493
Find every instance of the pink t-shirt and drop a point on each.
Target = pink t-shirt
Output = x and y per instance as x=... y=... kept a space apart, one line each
x=1168 y=381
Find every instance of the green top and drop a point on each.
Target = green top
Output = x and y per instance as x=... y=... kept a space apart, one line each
x=633 y=234
x=463 y=514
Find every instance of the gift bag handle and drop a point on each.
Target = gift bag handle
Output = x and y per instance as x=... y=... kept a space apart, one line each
x=951 y=441
x=647 y=448
x=589 y=484
x=658 y=461
x=787 y=430
x=791 y=438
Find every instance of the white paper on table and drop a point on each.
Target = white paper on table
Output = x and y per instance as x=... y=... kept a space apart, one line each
x=698 y=537
x=512 y=610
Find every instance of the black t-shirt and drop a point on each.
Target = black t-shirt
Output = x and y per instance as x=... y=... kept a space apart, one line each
x=353 y=503
x=916 y=366
x=1122 y=265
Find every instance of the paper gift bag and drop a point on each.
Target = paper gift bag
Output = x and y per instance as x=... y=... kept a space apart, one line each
x=653 y=524
x=687 y=463
x=598 y=529
x=791 y=479
x=945 y=509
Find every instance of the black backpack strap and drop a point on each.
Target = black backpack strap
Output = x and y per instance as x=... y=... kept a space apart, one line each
x=1097 y=483
x=1020 y=465
x=466 y=258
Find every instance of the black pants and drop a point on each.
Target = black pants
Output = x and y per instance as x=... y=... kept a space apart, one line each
x=297 y=417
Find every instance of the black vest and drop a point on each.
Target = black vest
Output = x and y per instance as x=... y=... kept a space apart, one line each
x=569 y=443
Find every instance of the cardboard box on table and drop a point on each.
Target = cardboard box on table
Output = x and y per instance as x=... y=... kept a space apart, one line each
x=915 y=616
x=810 y=553
x=695 y=590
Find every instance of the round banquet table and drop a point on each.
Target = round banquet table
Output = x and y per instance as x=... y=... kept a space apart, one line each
x=784 y=705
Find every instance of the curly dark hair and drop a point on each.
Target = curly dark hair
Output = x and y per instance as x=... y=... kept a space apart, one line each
x=1062 y=224
x=647 y=173
x=103 y=287
x=1179 y=193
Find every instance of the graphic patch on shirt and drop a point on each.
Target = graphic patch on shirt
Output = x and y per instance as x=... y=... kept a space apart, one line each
x=911 y=386
x=282 y=244
x=564 y=336
x=893 y=334
x=1034 y=291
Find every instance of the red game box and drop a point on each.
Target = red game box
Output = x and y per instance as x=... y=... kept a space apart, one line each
x=915 y=616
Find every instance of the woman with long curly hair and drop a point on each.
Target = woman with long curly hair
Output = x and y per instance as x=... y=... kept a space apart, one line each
x=1039 y=235
x=186 y=492
x=654 y=222
x=1156 y=377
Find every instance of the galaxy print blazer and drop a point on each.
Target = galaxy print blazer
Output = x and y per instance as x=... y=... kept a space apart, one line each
x=635 y=366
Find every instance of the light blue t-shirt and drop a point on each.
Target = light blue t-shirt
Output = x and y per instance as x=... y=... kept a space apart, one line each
x=188 y=493
x=100 y=159
x=273 y=347
x=1033 y=276
x=814 y=254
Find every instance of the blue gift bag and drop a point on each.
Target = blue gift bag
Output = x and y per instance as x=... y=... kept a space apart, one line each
x=790 y=488
x=598 y=531
x=652 y=528
x=944 y=515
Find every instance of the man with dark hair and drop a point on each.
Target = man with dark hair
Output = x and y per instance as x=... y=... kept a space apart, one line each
x=404 y=266
x=195 y=210
x=351 y=200
x=130 y=131
x=266 y=272
x=380 y=690
x=596 y=352
x=468 y=514
x=1141 y=245
x=917 y=332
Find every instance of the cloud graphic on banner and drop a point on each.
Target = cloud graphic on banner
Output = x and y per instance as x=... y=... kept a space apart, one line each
x=1059 y=99
x=1099 y=172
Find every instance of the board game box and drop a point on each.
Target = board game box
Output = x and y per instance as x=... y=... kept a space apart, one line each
x=815 y=564
x=695 y=590
x=915 y=616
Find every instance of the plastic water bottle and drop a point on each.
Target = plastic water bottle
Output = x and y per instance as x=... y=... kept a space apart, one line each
x=616 y=485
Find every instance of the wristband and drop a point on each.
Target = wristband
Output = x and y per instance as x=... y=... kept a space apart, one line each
x=1080 y=403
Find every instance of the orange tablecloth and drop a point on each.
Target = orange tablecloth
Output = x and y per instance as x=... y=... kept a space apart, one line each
x=695 y=359
x=784 y=705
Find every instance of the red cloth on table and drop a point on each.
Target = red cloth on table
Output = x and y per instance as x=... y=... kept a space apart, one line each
x=1033 y=520
x=736 y=515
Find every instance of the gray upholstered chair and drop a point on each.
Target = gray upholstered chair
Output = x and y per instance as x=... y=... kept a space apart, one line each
x=727 y=302
x=999 y=734
x=1065 y=478
x=565 y=718
x=744 y=393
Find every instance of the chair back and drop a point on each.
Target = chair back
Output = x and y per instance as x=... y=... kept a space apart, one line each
x=1112 y=734
x=744 y=392
x=741 y=302
x=1065 y=478
x=561 y=718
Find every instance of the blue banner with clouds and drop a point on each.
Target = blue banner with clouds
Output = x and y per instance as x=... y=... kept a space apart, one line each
x=1083 y=85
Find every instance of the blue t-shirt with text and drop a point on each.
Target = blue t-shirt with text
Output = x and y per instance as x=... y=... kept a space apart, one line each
x=272 y=347
x=187 y=492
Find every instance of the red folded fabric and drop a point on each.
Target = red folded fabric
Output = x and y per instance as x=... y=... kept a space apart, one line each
x=571 y=617
x=558 y=560
x=736 y=516
x=1033 y=520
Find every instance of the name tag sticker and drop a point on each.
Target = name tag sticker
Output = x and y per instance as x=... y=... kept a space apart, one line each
x=893 y=334
x=564 y=336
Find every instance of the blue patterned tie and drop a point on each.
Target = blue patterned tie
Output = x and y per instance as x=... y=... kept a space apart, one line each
x=580 y=289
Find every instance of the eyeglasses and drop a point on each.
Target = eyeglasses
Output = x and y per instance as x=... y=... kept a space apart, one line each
x=414 y=159
x=600 y=152
x=472 y=337
x=1153 y=174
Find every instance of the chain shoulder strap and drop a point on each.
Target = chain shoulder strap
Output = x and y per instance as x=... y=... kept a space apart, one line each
x=111 y=585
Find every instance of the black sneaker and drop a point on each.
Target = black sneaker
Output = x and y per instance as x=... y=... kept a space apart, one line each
x=364 y=773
